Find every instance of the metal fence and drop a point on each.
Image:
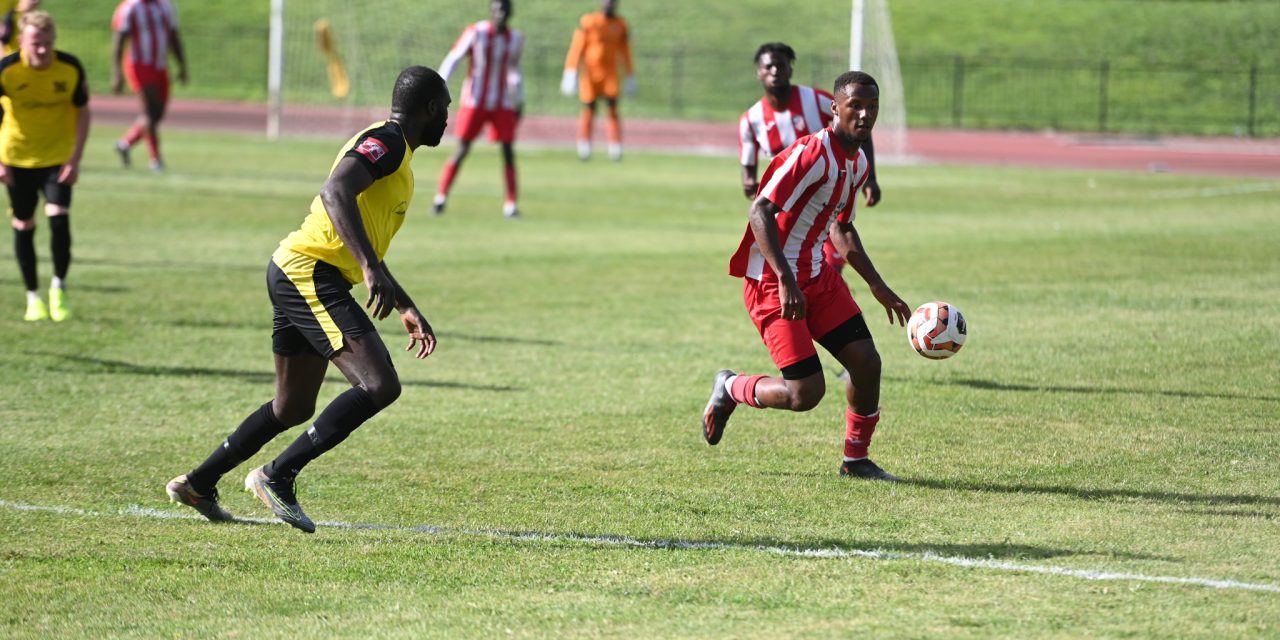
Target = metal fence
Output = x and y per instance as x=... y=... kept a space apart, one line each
x=687 y=82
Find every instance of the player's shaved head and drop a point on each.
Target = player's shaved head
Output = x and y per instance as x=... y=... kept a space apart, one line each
x=415 y=87
x=777 y=50
x=850 y=78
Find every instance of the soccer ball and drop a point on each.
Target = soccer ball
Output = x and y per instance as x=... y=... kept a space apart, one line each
x=936 y=330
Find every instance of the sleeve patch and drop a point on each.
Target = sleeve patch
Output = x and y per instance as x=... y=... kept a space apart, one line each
x=372 y=148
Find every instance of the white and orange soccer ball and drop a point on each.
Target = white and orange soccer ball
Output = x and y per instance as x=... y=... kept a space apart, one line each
x=937 y=330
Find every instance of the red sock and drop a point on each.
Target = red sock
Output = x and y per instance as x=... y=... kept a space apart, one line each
x=153 y=146
x=446 y=177
x=133 y=135
x=511 y=182
x=858 y=432
x=743 y=390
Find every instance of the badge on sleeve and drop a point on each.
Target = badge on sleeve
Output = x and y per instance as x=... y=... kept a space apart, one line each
x=372 y=148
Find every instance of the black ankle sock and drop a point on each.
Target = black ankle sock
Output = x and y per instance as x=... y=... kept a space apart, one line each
x=257 y=430
x=344 y=415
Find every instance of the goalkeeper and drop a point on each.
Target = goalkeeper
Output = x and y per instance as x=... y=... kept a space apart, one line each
x=601 y=41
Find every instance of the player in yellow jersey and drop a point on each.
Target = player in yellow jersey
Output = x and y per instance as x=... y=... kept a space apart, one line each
x=46 y=103
x=600 y=43
x=317 y=321
x=13 y=10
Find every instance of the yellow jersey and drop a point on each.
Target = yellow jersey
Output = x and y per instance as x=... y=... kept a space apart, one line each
x=40 y=107
x=383 y=150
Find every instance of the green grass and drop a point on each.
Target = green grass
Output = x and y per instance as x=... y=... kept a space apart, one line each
x=1174 y=66
x=1113 y=412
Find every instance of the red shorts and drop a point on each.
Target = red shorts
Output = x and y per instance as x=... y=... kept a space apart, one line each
x=828 y=304
x=502 y=124
x=145 y=75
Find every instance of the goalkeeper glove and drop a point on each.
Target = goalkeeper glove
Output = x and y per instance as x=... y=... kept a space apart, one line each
x=569 y=82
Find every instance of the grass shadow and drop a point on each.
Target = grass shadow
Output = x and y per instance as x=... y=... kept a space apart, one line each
x=1100 y=494
x=991 y=385
x=117 y=367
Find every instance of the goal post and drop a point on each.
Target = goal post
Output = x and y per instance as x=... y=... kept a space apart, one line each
x=872 y=48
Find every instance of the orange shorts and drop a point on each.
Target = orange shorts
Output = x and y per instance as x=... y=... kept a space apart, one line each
x=145 y=75
x=828 y=304
x=590 y=90
x=502 y=124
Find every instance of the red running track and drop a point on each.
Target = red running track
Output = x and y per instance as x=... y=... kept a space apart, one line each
x=1172 y=154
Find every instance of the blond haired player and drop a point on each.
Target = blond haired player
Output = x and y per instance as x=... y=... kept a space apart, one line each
x=601 y=42
x=46 y=103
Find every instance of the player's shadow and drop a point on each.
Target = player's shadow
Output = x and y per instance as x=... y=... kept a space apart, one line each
x=1210 y=499
x=831 y=547
x=115 y=367
x=175 y=265
x=472 y=337
x=991 y=385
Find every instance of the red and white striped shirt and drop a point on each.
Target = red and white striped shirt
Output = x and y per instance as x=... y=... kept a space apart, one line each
x=763 y=130
x=811 y=181
x=494 y=80
x=148 y=23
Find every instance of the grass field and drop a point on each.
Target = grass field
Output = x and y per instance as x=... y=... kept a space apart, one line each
x=1113 y=413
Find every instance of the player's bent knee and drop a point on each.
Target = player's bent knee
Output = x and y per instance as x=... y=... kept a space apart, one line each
x=384 y=391
x=52 y=210
x=23 y=225
x=292 y=415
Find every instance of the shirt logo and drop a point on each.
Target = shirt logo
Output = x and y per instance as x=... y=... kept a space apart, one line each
x=59 y=86
x=798 y=123
x=372 y=148
x=768 y=126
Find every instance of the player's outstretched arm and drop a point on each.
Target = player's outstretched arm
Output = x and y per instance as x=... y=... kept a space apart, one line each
x=764 y=225
x=415 y=323
x=348 y=180
x=845 y=237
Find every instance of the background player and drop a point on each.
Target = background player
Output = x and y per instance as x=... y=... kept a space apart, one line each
x=46 y=103
x=794 y=297
x=309 y=279
x=492 y=94
x=13 y=11
x=600 y=43
x=151 y=28
x=786 y=113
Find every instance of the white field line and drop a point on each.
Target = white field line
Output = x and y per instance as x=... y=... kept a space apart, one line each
x=1216 y=192
x=620 y=541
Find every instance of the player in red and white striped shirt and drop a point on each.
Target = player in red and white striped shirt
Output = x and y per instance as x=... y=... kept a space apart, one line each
x=151 y=29
x=794 y=297
x=493 y=94
x=786 y=113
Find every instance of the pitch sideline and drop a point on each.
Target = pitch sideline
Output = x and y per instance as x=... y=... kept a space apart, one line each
x=135 y=511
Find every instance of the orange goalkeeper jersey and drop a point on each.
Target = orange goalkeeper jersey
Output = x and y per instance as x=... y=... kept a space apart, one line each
x=599 y=43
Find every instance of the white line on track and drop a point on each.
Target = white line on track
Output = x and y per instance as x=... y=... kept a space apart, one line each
x=1217 y=192
x=621 y=541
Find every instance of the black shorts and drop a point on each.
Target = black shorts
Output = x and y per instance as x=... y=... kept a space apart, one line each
x=313 y=306
x=28 y=184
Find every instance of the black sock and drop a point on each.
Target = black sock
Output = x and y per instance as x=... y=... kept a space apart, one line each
x=257 y=430
x=60 y=244
x=345 y=414
x=24 y=247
